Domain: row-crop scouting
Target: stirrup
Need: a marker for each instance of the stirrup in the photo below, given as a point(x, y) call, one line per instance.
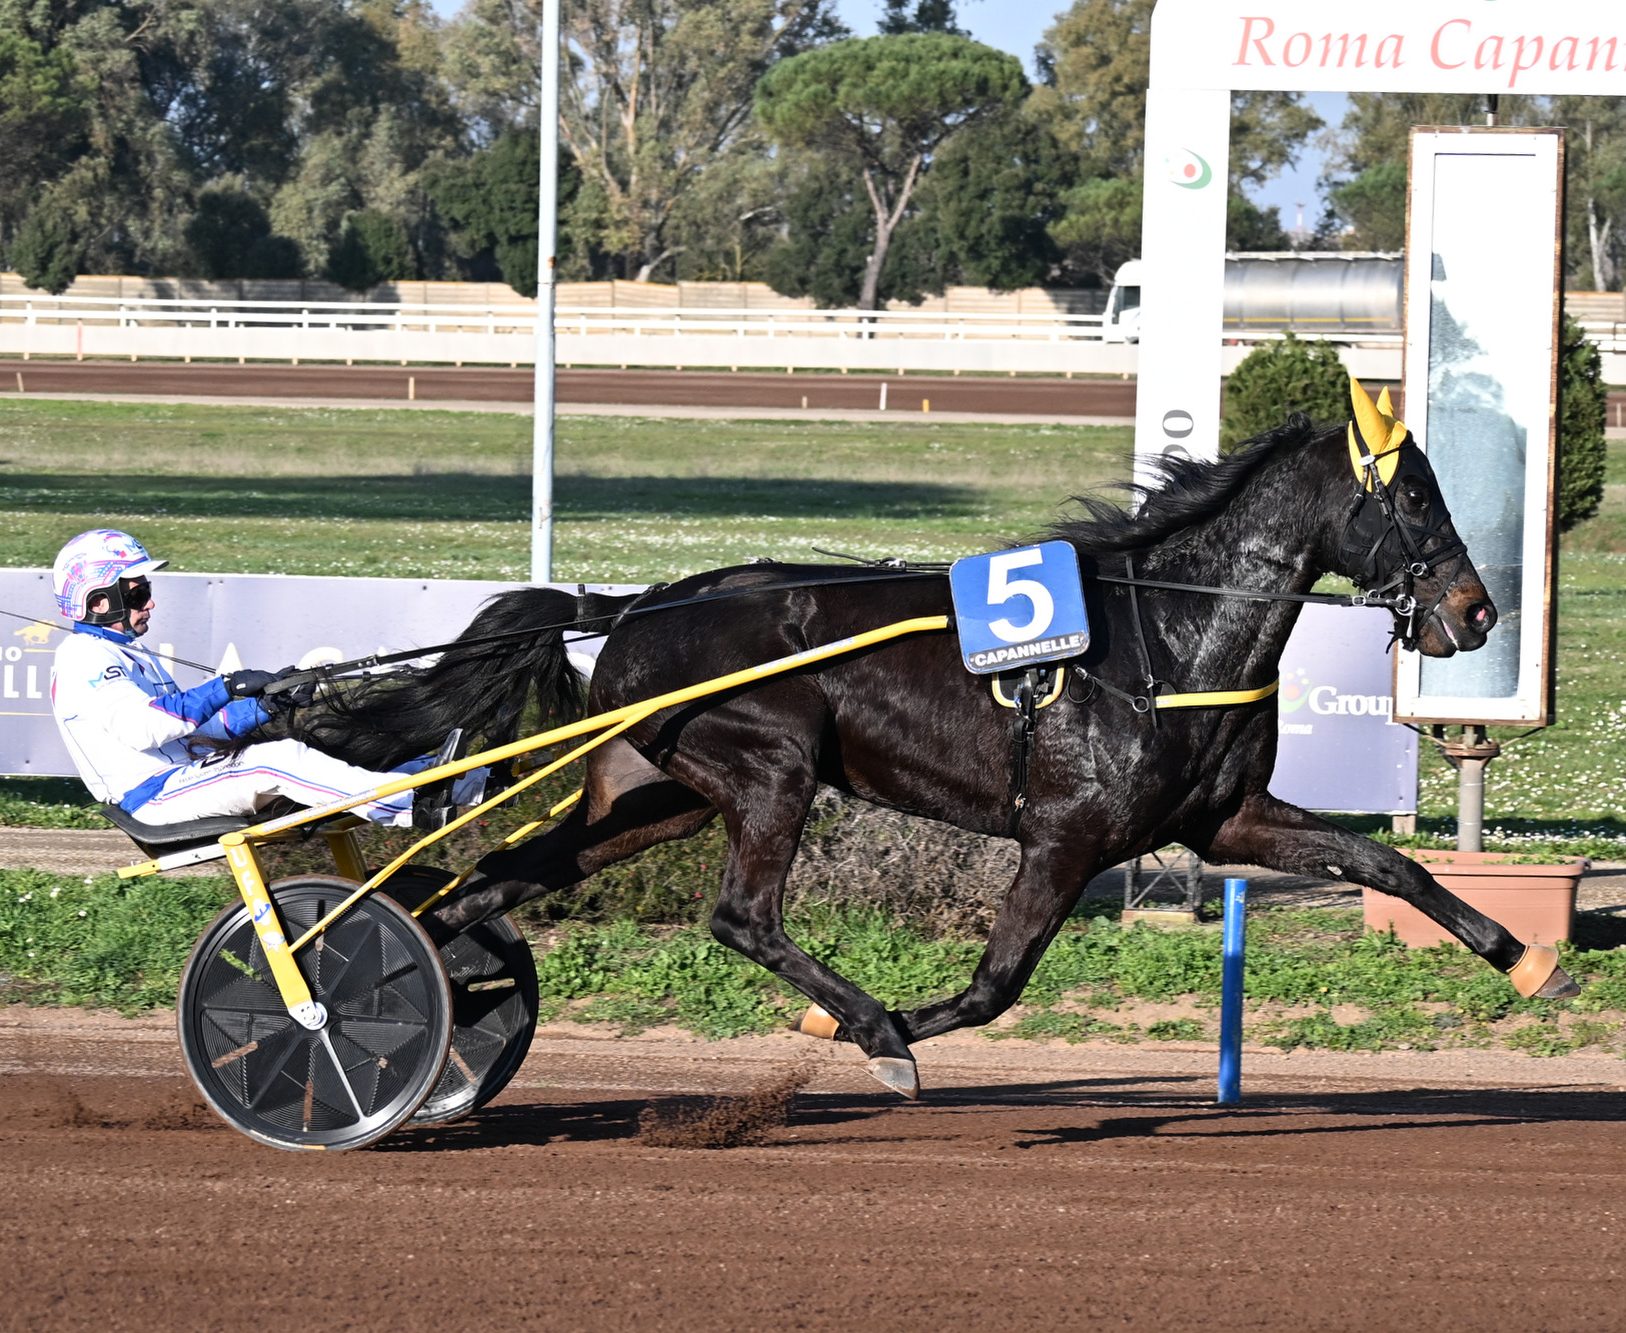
point(432, 806)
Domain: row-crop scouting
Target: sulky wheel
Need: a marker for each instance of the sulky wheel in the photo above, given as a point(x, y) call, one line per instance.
point(370, 1066)
point(494, 1002)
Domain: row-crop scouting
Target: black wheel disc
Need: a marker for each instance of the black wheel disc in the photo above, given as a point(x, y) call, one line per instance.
point(494, 1003)
point(380, 1053)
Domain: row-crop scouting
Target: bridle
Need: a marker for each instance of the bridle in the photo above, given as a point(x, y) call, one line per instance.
point(1377, 535)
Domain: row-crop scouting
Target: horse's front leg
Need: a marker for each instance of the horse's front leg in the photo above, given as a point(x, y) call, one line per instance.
point(1047, 884)
point(1271, 833)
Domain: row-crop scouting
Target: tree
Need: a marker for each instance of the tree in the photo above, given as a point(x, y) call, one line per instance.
point(47, 253)
point(885, 106)
point(1094, 67)
point(1100, 226)
point(230, 236)
point(655, 93)
point(491, 201)
point(922, 16)
point(123, 190)
point(372, 248)
point(979, 217)
point(1595, 193)
point(1277, 379)
point(1582, 414)
point(990, 199)
point(1365, 177)
point(1370, 210)
point(173, 97)
point(1250, 227)
point(724, 226)
point(829, 234)
point(44, 109)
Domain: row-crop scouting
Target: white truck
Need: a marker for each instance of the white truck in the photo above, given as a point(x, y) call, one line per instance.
point(1308, 291)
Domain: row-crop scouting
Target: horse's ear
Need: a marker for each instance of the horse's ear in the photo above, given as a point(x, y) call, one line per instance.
point(1373, 434)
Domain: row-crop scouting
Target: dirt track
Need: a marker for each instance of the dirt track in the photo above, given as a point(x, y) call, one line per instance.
point(1045, 399)
point(1048, 398)
point(1036, 1187)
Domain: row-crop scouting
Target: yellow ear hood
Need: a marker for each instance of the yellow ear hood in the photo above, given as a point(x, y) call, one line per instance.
point(1374, 432)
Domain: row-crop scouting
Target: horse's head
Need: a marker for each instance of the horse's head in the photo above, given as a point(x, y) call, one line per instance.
point(1399, 543)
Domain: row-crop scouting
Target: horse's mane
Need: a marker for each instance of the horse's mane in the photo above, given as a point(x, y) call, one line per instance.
point(1185, 491)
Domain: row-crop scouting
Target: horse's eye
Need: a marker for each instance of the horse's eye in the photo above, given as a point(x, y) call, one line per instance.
point(1415, 494)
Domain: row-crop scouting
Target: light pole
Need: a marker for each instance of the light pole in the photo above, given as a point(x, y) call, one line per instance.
point(547, 232)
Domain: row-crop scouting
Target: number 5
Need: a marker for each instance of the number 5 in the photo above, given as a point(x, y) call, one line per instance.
point(1001, 588)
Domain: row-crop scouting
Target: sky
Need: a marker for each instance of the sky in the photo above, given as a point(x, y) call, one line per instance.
point(1018, 25)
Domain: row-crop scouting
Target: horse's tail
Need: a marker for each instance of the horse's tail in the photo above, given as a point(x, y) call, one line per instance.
point(482, 687)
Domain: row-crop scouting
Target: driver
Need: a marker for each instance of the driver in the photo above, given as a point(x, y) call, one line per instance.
point(137, 738)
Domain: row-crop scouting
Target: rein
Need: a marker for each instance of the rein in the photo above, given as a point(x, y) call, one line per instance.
point(1401, 605)
point(609, 620)
point(885, 571)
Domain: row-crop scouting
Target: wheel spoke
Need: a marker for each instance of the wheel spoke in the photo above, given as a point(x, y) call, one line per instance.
point(344, 1078)
point(274, 1069)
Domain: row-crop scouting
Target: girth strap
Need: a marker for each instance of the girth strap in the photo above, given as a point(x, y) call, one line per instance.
point(1025, 691)
point(1025, 703)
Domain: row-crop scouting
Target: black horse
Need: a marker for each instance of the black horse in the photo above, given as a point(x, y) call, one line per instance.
point(905, 725)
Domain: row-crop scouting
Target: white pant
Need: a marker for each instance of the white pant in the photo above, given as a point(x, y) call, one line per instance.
point(249, 780)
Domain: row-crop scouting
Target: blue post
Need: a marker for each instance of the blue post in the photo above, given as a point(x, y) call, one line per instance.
point(1230, 1051)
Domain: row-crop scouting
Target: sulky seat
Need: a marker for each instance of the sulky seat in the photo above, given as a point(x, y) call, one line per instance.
point(164, 839)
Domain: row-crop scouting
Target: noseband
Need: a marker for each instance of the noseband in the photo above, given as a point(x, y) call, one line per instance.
point(1377, 536)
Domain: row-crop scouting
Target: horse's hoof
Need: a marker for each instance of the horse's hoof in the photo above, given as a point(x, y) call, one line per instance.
point(1537, 975)
point(1560, 986)
point(817, 1022)
point(897, 1074)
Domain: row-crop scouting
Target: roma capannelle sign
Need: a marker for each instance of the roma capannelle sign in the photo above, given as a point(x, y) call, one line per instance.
point(1202, 51)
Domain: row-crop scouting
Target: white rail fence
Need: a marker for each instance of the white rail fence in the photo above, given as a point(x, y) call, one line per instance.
point(734, 338)
point(730, 337)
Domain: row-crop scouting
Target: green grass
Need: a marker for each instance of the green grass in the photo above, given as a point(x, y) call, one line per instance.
point(47, 803)
point(447, 495)
point(1313, 978)
point(99, 941)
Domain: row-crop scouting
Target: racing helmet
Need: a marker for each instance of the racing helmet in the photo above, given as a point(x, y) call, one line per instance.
point(94, 563)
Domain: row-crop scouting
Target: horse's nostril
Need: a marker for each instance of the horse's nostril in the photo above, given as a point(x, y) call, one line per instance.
point(1482, 615)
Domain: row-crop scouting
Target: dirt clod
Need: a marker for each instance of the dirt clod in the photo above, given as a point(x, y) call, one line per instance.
point(725, 1122)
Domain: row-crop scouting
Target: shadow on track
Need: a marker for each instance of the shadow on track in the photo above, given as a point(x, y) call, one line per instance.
point(1127, 1112)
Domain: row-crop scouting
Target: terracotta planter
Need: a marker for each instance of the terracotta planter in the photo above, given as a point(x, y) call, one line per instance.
point(1535, 902)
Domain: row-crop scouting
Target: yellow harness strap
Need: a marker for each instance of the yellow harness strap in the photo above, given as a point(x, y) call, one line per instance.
point(1217, 698)
point(1197, 699)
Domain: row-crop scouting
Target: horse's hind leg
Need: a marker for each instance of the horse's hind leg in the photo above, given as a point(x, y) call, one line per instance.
point(1271, 833)
point(627, 806)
